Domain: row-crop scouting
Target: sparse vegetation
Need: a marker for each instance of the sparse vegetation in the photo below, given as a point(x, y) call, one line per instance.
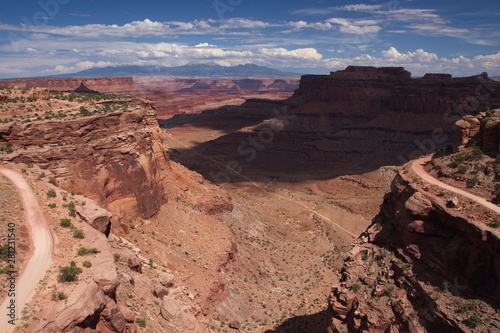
point(78, 233)
point(87, 264)
point(82, 251)
point(59, 295)
point(69, 273)
point(355, 287)
point(141, 322)
point(65, 223)
point(51, 194)
point(475, 321)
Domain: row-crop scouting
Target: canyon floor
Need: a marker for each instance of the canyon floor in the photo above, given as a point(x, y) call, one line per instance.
point(291, 236)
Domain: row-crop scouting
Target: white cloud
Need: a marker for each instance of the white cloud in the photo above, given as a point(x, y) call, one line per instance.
point(359, 8)
point(236, 23)
point(204, 45)
point(305, 53)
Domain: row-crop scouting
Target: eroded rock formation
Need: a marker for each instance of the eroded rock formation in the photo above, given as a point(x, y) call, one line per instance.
point(484, 128)
point(118, 159)
point(422, 266)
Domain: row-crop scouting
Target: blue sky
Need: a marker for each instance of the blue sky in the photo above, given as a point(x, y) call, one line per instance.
point(49, 37)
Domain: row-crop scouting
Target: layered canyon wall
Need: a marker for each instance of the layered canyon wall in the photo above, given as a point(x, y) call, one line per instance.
point(354, 120)
point(118, 159)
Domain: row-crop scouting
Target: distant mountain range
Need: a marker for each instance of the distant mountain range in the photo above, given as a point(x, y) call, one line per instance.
point(205, 70)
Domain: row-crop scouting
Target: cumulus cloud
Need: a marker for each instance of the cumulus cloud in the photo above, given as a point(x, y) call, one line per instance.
point(304, 53)
point(420, 62)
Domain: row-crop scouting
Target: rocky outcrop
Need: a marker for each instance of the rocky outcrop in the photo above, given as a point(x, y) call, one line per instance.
point(421, 267)
point(105, 84)
point(91, 302)
point(118, 159)
point(482, 129)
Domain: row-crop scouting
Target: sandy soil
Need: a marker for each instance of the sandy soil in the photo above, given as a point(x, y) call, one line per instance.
point(43, 245)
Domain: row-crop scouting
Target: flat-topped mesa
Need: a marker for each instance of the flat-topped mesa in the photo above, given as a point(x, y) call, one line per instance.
point(102, 84)
point(369, 72)
point(371, 90)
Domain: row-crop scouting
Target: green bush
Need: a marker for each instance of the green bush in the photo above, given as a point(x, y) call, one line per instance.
point(463, 169)
point(71, 208)
point(355, 287)
point(51, 194)
point(69, 273)
point(117, 256)
point(65, 223)
point(141, 322)
point(78, 233)
point(87, 264)
point(59, 295)
point(84, 251)
point(475, 321)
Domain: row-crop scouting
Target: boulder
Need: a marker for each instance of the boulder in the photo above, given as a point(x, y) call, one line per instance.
point(418, 205)
point(167, 279)
point(170, 308)
point(98, 217)
point(160, 291)
point(134, 263)
point(113, 316)
point(128, 314)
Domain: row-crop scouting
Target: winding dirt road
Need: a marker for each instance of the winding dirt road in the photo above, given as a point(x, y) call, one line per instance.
point(41, 256)
point(418, 168)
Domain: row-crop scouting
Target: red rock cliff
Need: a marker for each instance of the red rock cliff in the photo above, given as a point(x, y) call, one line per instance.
point(118, 159)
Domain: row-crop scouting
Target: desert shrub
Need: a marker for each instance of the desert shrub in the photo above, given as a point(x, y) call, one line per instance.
point(84, 112)
point(52, 205)
point(78, 233)
point(87, 264)
point(463, 169)
point(117, 256)
point(59, 295)
point(51, 194)
point(495, 223)
point(471, 182)
point(355, 287)
point(71, 208)
point(476, 154)
point(69, 273)
point(389, 290)
point(475, 321)
point(65, 223)
point(141, 322)
point(84, 251)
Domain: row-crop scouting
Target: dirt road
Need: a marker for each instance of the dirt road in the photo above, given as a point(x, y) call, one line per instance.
point(418, 167)
point(39, 262)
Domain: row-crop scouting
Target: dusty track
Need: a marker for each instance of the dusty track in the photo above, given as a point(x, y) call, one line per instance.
point(42, 250)
point(418, 168)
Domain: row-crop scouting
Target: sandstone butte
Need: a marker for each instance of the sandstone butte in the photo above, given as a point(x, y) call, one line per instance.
point(421, 266)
